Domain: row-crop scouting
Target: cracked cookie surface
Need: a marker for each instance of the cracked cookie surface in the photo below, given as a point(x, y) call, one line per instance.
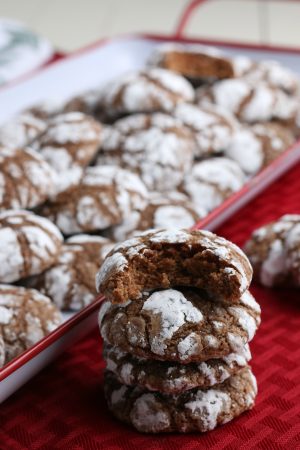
point(194, 410)
point(179, 325)
point(172, 378)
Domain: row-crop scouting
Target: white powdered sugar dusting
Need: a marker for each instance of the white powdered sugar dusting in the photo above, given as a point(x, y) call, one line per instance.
point(115, 262)
point(174, 310)
point(245, 320)
point(188, 346)
point(208, 405)
point(148, 415)
point(118, 395)
point(247, 150)
point(274, 264)
point(248, 300)
point(104, 308)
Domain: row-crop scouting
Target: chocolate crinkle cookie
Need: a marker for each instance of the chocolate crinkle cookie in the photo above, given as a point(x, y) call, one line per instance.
point(212, 181)
point(171, 209)
point(196, 62)
point(70, 140)
point(250, 102)
point(158, 147)
point(151, 90)
point(179, 325)
point(70, 282)
point(269, 71)
point(21, 130)
point(164, 258)
point(172, 377)
point(26, 179)
point(26, 316)
point(273, 250)
point(212, 126)
point(193, 410)
point(104, 196)
point(29, 245)
point(254, 147)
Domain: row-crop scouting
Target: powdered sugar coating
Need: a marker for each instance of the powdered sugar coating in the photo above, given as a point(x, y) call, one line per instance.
point(269, 71)
point(30, 244)
point(178, 325)
point(70, 281)
point(21, 130)
point(104, 197)
point(173, 310)
point(70, 140)
point(250, 102)
point(268, 251)
point(172, 377)
point(235, 266)
point(152, 90)
point(158, 147)
point(213, 127)
point(166, 210)
point(211, 181)
point(26, 316)
point(26, 180)
point(195, 410)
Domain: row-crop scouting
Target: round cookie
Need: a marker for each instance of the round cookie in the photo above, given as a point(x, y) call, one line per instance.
point(198, 410)
point(195, 62)
point(212, 181)
point(212, 127)
point(26, 180)
point(104, 197)
point(26, 316)
point(266, 250)
point(179, 325)
point(172, 378)
point(70, 282)
point(270, 71)
point(250, 102)
point(158, 147)
point(151, 90)
point(29, 245)
point(254, 147)
point(164, 258)
point(169, 210)
point(21, 130)
point(70, 140)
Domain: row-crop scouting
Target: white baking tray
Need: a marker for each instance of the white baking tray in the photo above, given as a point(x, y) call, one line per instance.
point(92, 67)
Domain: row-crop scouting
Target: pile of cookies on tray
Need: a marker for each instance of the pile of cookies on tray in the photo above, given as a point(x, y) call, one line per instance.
point(176, 324)
point(155, 148)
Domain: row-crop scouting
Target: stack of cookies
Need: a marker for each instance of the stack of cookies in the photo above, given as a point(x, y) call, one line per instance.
point(176, 324)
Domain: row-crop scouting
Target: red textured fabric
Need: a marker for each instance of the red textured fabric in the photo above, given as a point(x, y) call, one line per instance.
point(63, 407)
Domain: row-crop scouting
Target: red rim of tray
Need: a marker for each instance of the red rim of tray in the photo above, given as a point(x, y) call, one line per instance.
point(26, 356)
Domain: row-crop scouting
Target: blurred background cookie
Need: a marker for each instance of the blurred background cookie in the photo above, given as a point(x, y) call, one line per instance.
point(70, 282)
point(30, 244)
point(26, 179)
point(105, 196)
point(158, 147)
point(211, 181)
point(151, 90)
point(26, 316)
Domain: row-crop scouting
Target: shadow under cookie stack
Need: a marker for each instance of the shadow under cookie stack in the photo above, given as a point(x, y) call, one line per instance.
point(176, 324)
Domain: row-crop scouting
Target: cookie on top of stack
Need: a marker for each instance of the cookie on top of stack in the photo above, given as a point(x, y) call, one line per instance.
point(176, 324)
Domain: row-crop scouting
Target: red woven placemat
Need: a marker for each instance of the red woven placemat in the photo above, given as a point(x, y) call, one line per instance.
point(63, 407)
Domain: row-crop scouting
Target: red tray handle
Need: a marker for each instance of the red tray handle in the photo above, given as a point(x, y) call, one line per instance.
point(186, 16)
